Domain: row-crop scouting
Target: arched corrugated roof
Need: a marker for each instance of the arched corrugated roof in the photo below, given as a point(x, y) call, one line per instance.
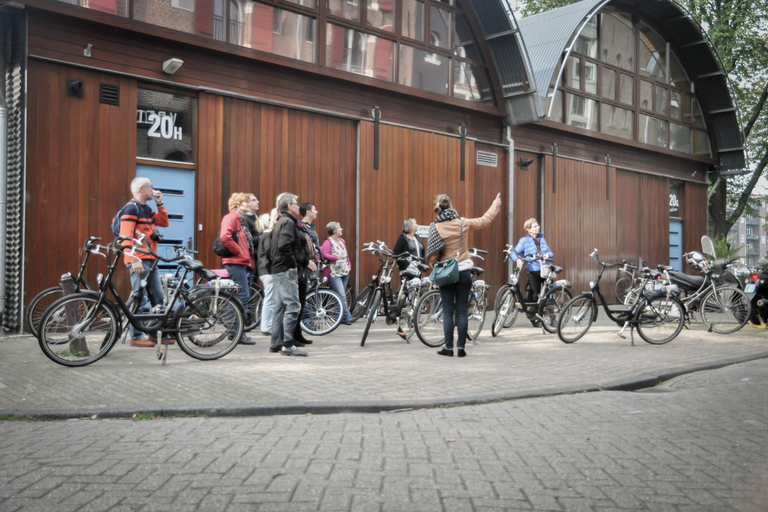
point(548, 36)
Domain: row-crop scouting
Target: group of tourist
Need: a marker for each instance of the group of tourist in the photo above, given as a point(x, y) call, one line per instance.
point(282, 249)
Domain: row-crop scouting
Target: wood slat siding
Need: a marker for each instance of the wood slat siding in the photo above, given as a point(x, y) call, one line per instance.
point(527, 203)
point(63, 38)
point(415, 166)
point(267, 150)
point(80, 162)
point(694, 219)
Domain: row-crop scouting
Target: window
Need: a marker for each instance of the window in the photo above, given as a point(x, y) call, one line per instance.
point(188, 5)
point(357, 52)
point(423, 70)
point(581, 112)
point(412, 19)
point(164, 126)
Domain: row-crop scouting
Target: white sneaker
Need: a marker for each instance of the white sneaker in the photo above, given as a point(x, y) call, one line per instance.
point(293, 351)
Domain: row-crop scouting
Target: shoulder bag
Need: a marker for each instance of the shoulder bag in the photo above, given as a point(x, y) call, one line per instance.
point(446, 272)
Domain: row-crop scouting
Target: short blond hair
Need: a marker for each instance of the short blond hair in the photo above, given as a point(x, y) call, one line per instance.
point(237, 199)
point(530, 222)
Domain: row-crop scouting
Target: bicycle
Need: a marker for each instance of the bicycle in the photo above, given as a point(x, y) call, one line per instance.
point(428, 321)
point(392, 306)
point(627, 283)
point(658, 317)
point(323, 309)
point(206, 320)
point(544, 311)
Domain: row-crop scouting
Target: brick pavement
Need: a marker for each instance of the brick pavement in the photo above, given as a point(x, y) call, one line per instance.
point(339, 375)
point(696, 443)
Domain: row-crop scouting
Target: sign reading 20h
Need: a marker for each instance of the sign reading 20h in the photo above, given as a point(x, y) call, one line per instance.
point(162, 124)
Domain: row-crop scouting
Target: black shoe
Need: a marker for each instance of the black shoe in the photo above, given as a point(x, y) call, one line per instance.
point(245, 340)
point(298, 343)
point(275, 350)
point(293, 351)
point(266, 333)
point(305, 341)
point(445, 352)
point(462, 353)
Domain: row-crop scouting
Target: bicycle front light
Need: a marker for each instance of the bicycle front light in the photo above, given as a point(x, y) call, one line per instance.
point(100, 278)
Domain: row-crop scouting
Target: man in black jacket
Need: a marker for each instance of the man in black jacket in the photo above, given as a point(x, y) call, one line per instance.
point(287, 257)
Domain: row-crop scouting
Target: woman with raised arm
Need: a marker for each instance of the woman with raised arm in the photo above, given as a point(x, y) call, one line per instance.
point(449, 238)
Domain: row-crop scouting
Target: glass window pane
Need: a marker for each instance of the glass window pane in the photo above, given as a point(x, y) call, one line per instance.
point(573, 72)
point(412, 19)
point(120, 7)
point(381, 14)
point(360, 53)
point(698, 119)
point(617, 121)
point(590, 77)
point(273, 30)
point(581, 112)
point(677, 74)
point(200, 17)
point(305, 3)
point(439, 27)
point(617, 40)
point(701, 144)
point(608, 84)
point(662, 100)
point(446, 2)
point(675, 107)
point(627, 89)
point(471, 82)
point(164, 126)
point(464, 44)
point(344, 9)
point(653, 54)
point(652, 131)
point(646, 95)
point(557, 108)
point(679, 137)
point(586, 44)
point(423, 70)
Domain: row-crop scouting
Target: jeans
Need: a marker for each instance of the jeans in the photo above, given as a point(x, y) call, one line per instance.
point(285, 295)
point(267, 306)
point(456, 297)
point(339, 285)
point(239, 274)
point(153, 281)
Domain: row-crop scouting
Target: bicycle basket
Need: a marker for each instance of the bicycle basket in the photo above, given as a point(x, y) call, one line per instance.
point(547, 272)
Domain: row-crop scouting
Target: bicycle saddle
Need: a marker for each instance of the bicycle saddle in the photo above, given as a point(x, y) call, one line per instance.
point(686, 282)
point(665, 267)
point(423, 267)
point(197, 266)
point(556, 269)
point(476, 271)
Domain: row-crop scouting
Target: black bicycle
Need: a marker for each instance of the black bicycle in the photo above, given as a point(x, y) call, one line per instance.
point(323, 309)
point(207, 320)
point(657, 315)
point(542, 312)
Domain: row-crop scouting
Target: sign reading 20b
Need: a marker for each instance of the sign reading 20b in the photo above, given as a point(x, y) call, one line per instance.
point(162, 124)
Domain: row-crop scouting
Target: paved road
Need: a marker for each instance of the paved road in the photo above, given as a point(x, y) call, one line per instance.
point(695, 443)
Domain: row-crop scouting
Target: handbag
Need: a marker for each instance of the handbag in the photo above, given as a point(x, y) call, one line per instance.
point(219, 248)
point(446, 272)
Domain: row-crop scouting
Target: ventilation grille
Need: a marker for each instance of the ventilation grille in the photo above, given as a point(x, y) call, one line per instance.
point(109, 94)
point(487, 159)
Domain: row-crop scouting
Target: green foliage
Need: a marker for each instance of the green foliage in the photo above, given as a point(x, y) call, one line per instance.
point(531, 7)
point(144, 416)
point(13, 417)
point(722, 249)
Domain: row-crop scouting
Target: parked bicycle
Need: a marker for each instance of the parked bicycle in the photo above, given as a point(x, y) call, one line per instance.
point(396, 308)
point(628, 281)
point(206, 320)
point(323, 310)
point(657, 316)
point(428, 321)
point(542, 312)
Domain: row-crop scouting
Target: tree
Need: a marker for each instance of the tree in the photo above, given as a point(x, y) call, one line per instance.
point(739, 31)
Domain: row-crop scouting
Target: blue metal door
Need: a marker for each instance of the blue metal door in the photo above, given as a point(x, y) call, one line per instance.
point(178, 188)
point(676, 244)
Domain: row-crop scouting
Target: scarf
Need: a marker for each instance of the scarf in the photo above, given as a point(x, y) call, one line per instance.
point(248, 234)
point(435, 243)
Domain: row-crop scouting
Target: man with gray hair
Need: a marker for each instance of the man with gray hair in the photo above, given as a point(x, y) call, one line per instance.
point(287, 256)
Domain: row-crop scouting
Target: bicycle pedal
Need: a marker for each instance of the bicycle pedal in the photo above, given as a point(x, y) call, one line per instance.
point(621, 336)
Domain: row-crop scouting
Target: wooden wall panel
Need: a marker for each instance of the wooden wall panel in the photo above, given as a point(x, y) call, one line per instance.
point(80, 162)
point(694, 218)
point(654, 220)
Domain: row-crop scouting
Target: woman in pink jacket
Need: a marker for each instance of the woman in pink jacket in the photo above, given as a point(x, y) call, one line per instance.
point(237, 238)
point(334, 249)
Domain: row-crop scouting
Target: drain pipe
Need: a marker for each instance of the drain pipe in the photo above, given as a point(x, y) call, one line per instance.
point(510, 195)
point(3, 198)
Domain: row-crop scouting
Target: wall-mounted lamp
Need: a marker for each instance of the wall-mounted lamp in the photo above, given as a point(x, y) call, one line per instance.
point(172, 65)
point(87, 50)
point(525, 162)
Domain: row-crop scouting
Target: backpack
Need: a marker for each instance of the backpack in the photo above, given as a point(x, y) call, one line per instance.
point(219, 248)
point(116, 219)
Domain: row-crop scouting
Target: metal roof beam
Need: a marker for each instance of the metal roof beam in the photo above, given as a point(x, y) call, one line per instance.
point(709, 75)
point(730, 150)
point(693, 43)
point(722, 110)
point(502, 34)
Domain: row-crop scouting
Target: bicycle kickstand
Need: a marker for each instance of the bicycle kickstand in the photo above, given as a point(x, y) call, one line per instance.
point(162, 348)
point(621, 332)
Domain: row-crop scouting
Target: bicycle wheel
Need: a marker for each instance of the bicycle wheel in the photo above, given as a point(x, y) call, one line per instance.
point(76, 330)
point(660, 319)
point(725, 309)
point(373, 312)
point(623, 286)
point(550, 308)
point(322, 312)
point(361, 303)
point(576, 318)
point(505, 308)
point(210, 324)
point(478, 306)
point(253, 309)
point(39, 304)
point(428, 321)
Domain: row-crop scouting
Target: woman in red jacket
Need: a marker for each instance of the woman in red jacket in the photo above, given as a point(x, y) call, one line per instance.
point(237, 238)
